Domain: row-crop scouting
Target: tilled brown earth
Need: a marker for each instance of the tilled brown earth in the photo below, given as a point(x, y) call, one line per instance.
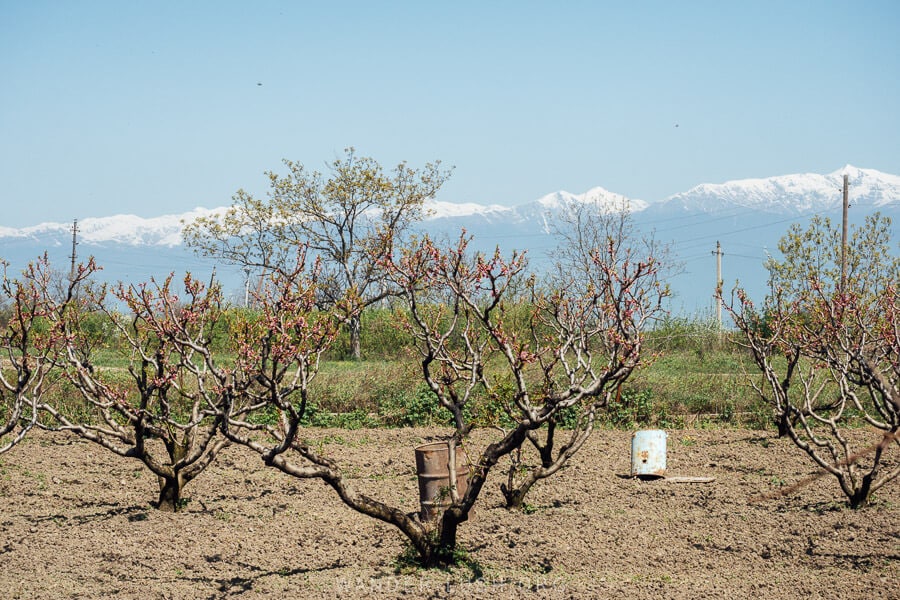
point(76, 523)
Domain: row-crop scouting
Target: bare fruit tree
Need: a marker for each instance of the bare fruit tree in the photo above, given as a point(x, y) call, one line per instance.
point(574, 350)
point(827, 355)
point(558, 360)
point(343, 219)
point(266, 393)
point(162, 409)
point(29, 347)
point(549, 375)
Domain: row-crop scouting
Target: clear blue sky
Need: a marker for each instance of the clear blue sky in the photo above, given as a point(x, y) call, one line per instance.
point(154, 108)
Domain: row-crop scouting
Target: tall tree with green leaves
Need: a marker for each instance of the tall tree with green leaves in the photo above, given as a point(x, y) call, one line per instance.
point(344, 219)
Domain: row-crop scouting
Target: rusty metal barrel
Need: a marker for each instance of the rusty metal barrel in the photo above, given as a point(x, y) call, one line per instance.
point(648, 453)
point(433, 469)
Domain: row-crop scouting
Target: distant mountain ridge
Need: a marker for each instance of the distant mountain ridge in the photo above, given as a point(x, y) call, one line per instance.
point(796, 194)
point(746, 216)
point(132, 230)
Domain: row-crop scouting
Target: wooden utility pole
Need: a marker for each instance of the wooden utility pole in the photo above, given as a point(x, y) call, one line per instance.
point(718, 253)
point(74, 243)
point(844, 231)
point(246, 287)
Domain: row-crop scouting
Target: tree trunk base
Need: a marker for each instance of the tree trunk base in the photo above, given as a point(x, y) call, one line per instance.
point(170, 499)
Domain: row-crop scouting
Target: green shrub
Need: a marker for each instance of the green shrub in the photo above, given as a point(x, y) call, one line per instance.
point(634, 408)
point(415, 407)
point(355, 419)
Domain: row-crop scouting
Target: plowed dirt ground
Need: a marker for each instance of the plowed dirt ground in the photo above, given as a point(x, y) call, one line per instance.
point(75, 522)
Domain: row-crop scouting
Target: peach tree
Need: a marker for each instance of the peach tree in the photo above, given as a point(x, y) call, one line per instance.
point(162, 408)
point(29, 345)
point(576, 350)
point(826, 342)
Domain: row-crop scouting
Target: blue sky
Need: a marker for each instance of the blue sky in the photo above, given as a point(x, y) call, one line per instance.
point(154, 108)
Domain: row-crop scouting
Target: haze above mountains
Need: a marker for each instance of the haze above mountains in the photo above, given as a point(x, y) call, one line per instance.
point(746, 216)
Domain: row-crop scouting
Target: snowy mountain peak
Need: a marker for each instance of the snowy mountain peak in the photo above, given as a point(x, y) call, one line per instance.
point(847, 169)
point(556, 200)
point(612, 201)
point(600, 197)
point(440, 209)
point(855, 173)
point(800, 193)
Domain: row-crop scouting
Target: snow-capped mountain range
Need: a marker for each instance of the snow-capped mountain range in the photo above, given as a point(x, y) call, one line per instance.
point(800, 194)
point(794, 194)
point(746, 216)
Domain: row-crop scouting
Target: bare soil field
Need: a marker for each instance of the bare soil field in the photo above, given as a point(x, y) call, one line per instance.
point(75, 522)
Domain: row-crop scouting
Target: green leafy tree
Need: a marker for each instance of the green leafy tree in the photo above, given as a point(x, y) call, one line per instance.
point(811, 259)
point(344, 219)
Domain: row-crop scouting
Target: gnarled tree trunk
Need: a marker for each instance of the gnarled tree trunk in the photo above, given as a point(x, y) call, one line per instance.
point(170, 489)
